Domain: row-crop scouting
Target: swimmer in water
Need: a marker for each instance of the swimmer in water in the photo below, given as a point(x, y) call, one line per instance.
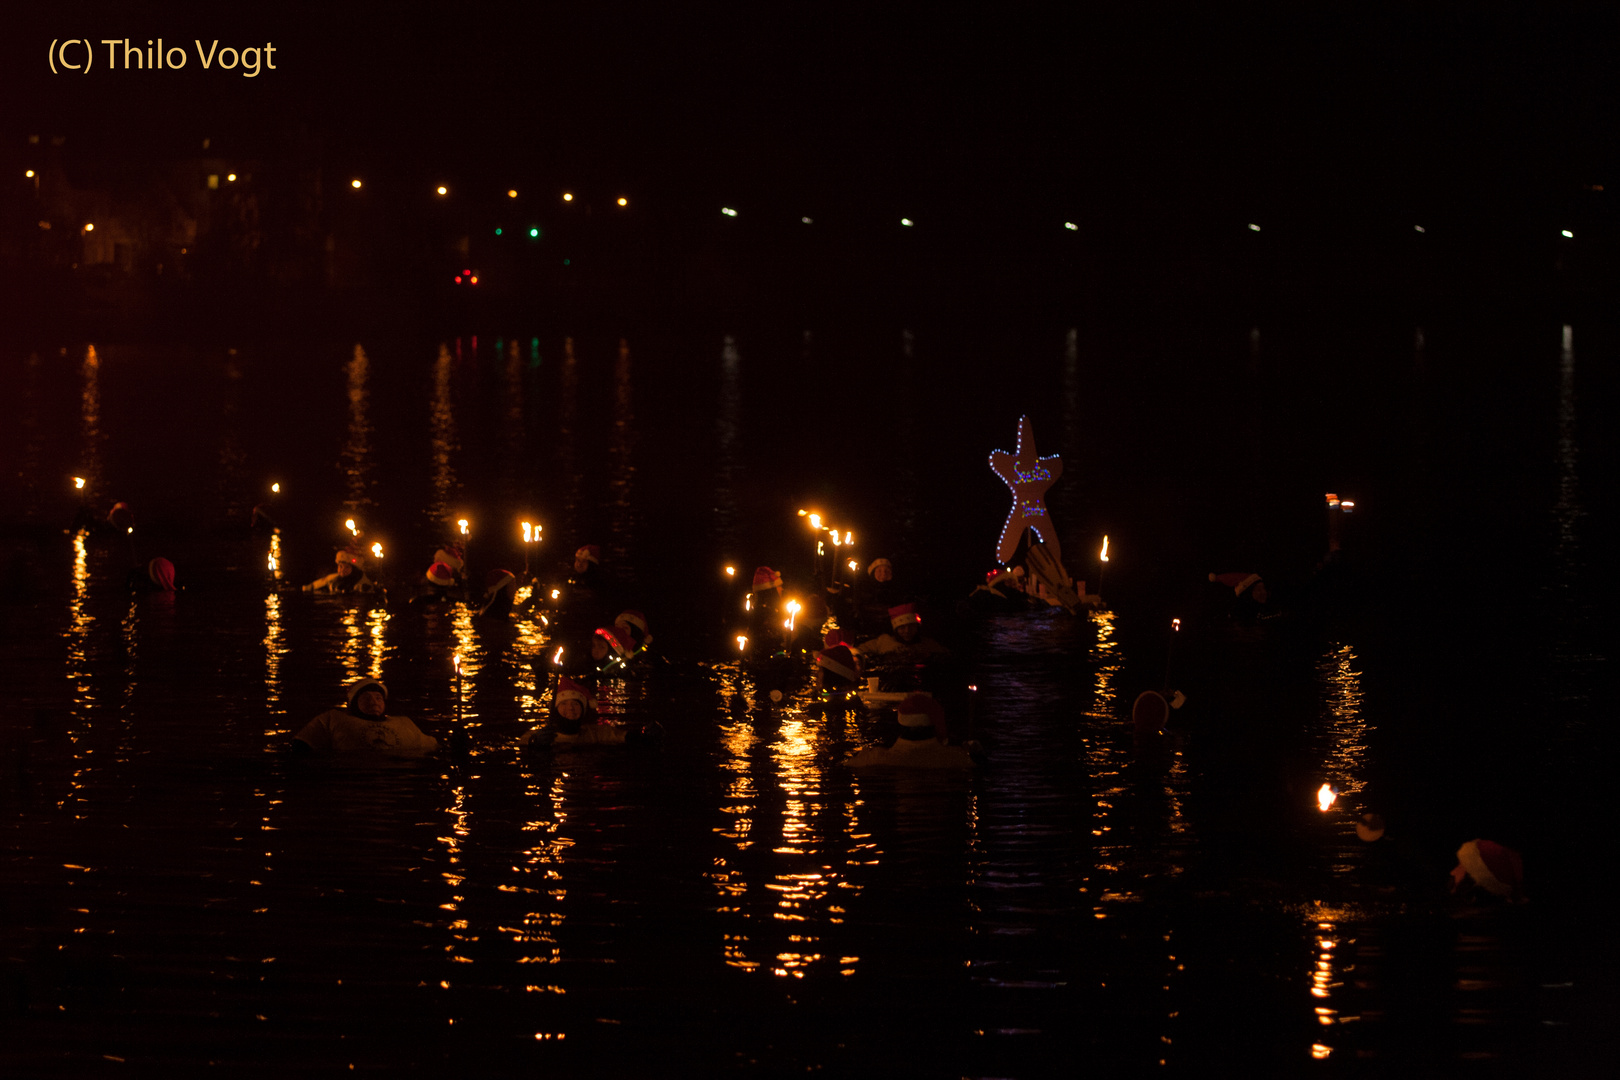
point(921, 744)
point(364, 726)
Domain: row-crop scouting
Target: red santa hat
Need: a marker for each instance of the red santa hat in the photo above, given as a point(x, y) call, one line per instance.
point(161, 571)
point(451, 556)
point(633, 623)
point(496, 580)
point(1498, 869)
point(833, 636)
point(569, 690)
point(591, 553)
point(901, 614)
point(839, 660)
point(121, 515)
point(920, 711)
point(871, 567)
point(766, 578)
point(616, 639)
point(440, 574)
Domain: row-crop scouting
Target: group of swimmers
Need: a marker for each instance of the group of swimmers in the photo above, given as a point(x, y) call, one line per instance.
point(597, 638)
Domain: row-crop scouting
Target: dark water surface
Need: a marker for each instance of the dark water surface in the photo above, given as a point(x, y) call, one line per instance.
point(176, 892)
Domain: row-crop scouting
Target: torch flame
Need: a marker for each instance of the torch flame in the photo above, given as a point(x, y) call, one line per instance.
point(376, 551)
point(1105, 548)
point(731, 571)
point(462, 523)
point(815, 522)
point(1325, 796)
point(528, 532)
point(742, 643)
point(853, 565)
point(349, 524)
point(275, 489)
point(556, 593)
point(1175, 625)
point(456, 659)
point(556, 657)
point(78, 482)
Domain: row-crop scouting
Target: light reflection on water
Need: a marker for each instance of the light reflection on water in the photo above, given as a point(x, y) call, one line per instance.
point(1071, 879)
point(357, 464)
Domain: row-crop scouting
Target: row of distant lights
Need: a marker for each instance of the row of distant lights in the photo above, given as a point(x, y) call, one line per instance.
point(568, 196)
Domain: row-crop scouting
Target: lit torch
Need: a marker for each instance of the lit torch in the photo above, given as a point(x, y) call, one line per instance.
point(376, 551)
point(1325, 796)
point(456, 660)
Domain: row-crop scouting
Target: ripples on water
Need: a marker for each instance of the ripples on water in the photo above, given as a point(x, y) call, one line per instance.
point(177, 891)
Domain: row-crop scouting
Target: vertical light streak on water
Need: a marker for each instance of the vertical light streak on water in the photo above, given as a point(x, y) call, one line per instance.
point(129, 627)
point(90, 426)
point(1107, 659)
point(567, 454)
point(460, 829)
point(1346, 730)
point(377, 641)
point(442, 445)
point(528, 640)
point(739, 802)
point(1105, 764)
point(728, 436)
point(621, 467)
point(275, 648)
point(81, 624)
point(1567, 511)
point(543, 865)
point(1324, 980)
point(273, 560)
point(351, 649)
point(804, 895)
point(357, 447)
point(472, 662)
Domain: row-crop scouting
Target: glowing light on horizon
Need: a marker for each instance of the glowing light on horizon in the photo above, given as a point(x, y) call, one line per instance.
point(355, 184)
point(907, 222)
point(1071, 226)
point(1253, 227)
point(511, 193)
point(623, 201)
point(1566, 234)
point(568, 196)
point(442, 190)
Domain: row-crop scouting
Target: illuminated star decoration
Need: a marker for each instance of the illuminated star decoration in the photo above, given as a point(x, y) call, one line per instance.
point(1028, 475)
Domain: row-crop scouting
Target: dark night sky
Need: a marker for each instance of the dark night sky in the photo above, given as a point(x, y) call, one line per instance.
point(1074, 107)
